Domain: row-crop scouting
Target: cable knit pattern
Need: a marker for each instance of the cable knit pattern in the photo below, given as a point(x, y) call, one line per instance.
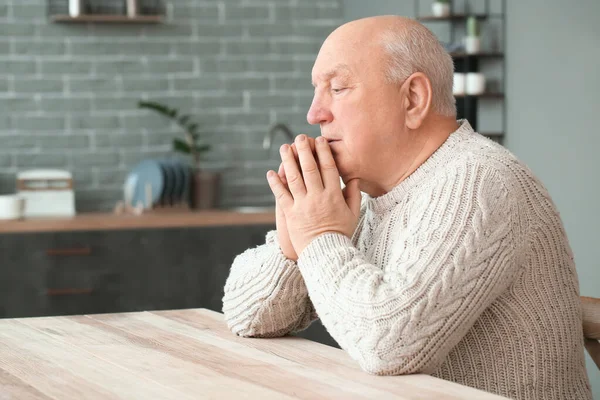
point(463, 271)
point(265, 295)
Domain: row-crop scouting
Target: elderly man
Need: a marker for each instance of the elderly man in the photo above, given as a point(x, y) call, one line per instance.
point(453, 260)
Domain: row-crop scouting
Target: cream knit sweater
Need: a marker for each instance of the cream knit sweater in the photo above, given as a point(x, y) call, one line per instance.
point(463, 271)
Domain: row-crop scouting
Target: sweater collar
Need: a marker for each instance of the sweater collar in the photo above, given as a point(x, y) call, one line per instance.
point(445, 153)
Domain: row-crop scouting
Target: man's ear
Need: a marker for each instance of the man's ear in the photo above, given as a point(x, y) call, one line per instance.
point(417, 101)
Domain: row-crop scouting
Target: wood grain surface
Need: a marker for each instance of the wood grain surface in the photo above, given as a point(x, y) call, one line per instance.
point(107, 221)
point(185, 354)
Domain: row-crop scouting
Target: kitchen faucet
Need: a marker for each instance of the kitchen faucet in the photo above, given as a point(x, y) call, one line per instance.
point(268, 140)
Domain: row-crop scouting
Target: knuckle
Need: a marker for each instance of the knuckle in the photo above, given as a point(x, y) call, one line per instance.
point(292, 178)
point(280, 196)
point(310, 168)
point(328, 165)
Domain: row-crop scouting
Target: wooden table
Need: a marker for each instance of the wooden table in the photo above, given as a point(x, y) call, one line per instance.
point(185, 354)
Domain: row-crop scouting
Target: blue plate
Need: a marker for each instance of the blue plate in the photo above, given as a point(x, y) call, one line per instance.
point(148, 177)
point(178, 181)
point(169, 174)
point(187, 183)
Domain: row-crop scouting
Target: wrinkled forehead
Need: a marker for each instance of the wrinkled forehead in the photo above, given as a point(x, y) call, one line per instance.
point(324, 73)
point(347, 59)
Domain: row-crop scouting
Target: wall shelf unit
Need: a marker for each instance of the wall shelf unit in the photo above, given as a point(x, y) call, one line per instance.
point(483, 95)
point(468, 105)
point(483, 54)
point(108, 11)
point(140, 19)
point(451, 17)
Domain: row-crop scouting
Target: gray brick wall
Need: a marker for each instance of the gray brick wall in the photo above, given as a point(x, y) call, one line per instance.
point(69, 92)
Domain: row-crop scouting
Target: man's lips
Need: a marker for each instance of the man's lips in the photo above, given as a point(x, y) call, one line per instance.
point(333, 145)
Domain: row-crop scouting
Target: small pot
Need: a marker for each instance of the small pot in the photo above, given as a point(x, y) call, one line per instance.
point(472, 44)
point(458, 84)
point(475, 83)
point(205, 190)
point(12, 206)
point(440, 9)
point(75, 8)
point(132, 8)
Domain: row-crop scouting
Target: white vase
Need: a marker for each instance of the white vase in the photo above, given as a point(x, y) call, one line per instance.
point(472, 44)
point(475, 83)
point(458, 84)
point(440, 9)
point(75, 8)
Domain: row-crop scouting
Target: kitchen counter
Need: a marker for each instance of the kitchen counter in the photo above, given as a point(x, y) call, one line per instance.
point(185, 354)
point(109, 221)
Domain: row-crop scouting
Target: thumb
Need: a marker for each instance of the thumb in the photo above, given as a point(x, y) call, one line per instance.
point(352, 196)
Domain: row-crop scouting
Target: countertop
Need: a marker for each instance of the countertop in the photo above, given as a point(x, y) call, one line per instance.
point(185, 354)
point(110, 221)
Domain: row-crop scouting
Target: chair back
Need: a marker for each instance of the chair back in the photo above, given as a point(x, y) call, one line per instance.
point(591, 327)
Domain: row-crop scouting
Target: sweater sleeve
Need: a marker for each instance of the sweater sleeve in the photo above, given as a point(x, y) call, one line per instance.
point(450, 252)
point(265, 294)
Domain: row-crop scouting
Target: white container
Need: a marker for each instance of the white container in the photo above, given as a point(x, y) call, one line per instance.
point(475, 83)
point(48, 193)
point(472, 44)
point(75, 8)
point(440, 9)
point(132, 8)
point(12, 206)
point(458, 84)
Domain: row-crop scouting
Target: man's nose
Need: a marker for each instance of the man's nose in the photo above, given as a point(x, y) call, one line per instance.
point(318, 113)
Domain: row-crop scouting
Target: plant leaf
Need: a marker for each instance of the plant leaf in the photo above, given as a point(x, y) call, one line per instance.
point(180, 145)
point(183, 119)
point(157, 107)
point(192, 127)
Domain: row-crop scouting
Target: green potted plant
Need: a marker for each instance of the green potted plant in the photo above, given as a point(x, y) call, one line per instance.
point(472, 40)
point(441, 8)
point(204, 184)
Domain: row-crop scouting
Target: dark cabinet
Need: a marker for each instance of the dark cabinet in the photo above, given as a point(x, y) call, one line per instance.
point(22, 276)
point(81, 273)
point(62, 273)
point(89, 272)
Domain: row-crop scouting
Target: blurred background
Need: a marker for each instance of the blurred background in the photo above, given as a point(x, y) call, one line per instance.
point(230, 80)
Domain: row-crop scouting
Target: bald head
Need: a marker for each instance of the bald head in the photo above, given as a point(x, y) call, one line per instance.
point(371, 29)
point(399, 47)
point(382, 93)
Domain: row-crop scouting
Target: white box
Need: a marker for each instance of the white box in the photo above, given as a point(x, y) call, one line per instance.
point(47, 193)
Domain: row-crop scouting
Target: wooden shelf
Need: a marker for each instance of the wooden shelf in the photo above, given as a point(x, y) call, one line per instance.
point(122, 19)
point(453, 17)
point(107, 221)
point(487, 95)
point(485, 54)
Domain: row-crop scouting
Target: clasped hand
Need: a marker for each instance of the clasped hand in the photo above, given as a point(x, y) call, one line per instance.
point(309, 196)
